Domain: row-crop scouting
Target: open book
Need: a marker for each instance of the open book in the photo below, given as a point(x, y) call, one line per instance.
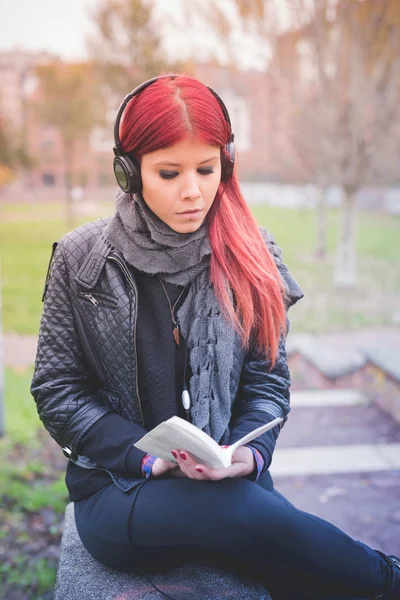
point(180, 434)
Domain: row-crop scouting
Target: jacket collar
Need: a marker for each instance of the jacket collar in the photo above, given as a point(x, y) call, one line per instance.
point(93, 264)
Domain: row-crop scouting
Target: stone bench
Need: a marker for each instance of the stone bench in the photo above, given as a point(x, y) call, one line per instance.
point(81, 577)
point(383, 377)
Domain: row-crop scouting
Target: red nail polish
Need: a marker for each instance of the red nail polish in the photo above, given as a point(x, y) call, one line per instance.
point(183, 455)
point(199, 469)
point(174, 454)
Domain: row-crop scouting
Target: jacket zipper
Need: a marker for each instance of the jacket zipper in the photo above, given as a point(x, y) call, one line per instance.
point(91, 298)
point(98, 300)
point(132, 284)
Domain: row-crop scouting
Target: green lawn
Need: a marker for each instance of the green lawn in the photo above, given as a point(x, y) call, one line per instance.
point(33, 496)
point(26, 236)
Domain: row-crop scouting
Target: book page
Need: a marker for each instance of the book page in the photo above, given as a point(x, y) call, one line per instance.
point(178, 433)
point(256, 433)
point(174, 434)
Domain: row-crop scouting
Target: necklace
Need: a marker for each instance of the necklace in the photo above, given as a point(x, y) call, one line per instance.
point(176, 332)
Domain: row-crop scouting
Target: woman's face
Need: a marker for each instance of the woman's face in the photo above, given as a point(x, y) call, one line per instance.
point(180, 183)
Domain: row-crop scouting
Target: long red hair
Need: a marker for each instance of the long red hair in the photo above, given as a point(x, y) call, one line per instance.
point(244, 274)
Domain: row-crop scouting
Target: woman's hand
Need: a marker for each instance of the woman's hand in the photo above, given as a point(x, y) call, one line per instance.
point(243, 464)
point(160, 467)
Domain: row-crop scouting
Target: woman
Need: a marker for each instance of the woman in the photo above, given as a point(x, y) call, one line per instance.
point(181, 291)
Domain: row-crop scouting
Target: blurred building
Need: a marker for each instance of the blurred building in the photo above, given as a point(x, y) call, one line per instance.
point(244, 93)
point(17, 83)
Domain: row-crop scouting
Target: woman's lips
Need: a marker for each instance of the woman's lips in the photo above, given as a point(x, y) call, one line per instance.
point(190, 213)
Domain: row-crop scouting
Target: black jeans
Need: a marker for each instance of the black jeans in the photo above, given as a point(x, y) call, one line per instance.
point(297, 555)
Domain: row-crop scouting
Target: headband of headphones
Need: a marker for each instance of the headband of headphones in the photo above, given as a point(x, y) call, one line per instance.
point(126, 167)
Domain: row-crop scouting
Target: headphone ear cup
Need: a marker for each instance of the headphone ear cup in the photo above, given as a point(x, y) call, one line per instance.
point(228, 160)
point(136, 180)
point(127, 174)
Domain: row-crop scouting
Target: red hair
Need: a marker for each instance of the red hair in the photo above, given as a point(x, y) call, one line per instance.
point(244, 274)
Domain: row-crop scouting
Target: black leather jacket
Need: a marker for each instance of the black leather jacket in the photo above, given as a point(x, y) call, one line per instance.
point(86, 360)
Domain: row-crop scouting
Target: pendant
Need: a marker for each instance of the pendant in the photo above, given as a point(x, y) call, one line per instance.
point(176, 334)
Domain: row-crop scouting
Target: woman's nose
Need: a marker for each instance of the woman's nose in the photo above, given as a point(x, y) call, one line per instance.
point(191, 188)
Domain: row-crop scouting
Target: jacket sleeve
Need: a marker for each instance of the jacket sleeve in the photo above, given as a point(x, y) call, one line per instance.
point(264, 393)
point(70, 404)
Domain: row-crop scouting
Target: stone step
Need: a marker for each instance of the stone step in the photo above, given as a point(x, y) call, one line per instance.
point(386, 358)
point(327, 360)
point(322, 460)
point(338, 426)
point(337, 355)
point(325, 398)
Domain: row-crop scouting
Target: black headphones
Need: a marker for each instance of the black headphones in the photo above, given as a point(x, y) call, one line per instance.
point(127, 168)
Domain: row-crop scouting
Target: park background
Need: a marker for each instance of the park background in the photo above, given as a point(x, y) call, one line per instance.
point(312, 87)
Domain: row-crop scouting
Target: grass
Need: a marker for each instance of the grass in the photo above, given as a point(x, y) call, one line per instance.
point(26, 237)
point(376, 296)
point(33, 496)
point(22, 420)
point(24, 576)
point(295, 229)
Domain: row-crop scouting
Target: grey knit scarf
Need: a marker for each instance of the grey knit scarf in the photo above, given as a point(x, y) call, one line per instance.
point(214, 347)
point(153, 247)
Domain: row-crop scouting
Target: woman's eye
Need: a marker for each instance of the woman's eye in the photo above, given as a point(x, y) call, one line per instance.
point(172, 174)
point(168, 174)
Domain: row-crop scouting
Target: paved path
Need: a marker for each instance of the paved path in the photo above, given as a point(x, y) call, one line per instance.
point(354, 340)
point(19, 350)
point(327, 398)
point(341, 461)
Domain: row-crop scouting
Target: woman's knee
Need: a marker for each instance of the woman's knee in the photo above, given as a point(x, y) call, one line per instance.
point(247, 514)
point(105, 538)
point(111, 554)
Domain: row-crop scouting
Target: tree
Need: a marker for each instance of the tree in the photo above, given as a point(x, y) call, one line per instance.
point(334, 68)
point(349, 104)
point(6, 156)
point(69, 99)
point(127, 45)
point(12, 155)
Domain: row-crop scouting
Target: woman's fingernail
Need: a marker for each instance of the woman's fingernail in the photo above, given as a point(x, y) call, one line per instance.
point(183, 455)
point(199, 469)
point(226, 446)
point(174, 454)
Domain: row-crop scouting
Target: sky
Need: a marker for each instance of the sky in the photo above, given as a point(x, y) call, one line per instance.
point(53, 25)
point(61, 26)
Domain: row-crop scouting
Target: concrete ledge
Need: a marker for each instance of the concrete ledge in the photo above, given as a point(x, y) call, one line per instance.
point(323, 460)
point(331, 363)
point(387, 359)
point(325, 398)
point(81, 577)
